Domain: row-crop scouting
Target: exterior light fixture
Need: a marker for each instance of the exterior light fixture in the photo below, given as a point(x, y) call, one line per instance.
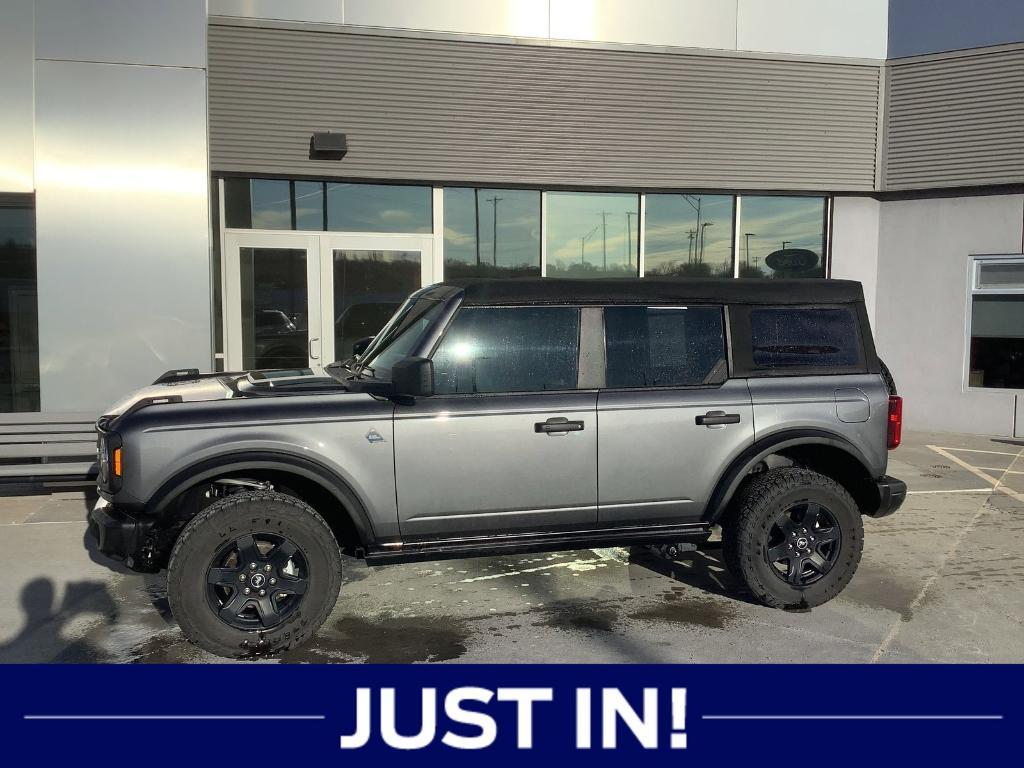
point(327, 146)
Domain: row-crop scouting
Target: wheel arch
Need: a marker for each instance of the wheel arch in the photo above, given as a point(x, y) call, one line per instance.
point(305, 472)
point(825, 452)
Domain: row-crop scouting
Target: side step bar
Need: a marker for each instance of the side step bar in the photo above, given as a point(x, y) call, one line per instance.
point(509, 544)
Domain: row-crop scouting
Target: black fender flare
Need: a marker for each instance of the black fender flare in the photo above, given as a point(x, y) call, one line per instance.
point(740, 467)
point(279, 461)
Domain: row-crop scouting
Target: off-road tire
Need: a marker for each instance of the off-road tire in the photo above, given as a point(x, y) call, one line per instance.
point(258, 512)
point(746, 527)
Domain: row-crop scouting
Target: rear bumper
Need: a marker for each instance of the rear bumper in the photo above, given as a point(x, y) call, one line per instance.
point(891, 494)
point(120, 535)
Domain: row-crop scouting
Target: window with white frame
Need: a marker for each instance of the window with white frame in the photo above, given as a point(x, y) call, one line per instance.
point(996, 328)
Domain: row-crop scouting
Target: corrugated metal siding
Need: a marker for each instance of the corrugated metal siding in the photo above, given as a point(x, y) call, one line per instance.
point(956, 121)
point(443, 110)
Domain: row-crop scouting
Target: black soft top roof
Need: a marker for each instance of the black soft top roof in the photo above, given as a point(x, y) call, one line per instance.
point(548, 290)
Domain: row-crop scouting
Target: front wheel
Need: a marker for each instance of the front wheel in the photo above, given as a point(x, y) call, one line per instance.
point(794, 537)
point(253, 573)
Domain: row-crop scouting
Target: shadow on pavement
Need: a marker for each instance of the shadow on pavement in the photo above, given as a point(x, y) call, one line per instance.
point(48, 634)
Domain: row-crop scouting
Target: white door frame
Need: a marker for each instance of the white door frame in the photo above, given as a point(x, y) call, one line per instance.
point(333, 241)
point(319, 247)
point(234, 241)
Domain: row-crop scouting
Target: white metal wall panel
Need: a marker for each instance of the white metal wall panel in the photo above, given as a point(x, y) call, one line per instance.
point(443, 110)
point(956, 121)
point(688, 23)
point(854, 28)
point(513, 18)
point(326, 11)
point(123, 255)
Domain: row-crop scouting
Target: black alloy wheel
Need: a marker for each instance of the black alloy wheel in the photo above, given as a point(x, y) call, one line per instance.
point(256, 581)
point(803, 544)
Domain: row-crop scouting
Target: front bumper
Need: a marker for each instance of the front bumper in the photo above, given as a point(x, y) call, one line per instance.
point(122, 536)
point(891, 494)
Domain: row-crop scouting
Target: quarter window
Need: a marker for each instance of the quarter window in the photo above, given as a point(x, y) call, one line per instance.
point(508, 349)
point(810, 337)
point(663, 346)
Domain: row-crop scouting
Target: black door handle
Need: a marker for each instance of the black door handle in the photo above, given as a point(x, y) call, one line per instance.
point(558, 424)
point(717, 419)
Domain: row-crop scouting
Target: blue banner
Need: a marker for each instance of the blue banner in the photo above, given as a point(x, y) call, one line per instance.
point(463, 714)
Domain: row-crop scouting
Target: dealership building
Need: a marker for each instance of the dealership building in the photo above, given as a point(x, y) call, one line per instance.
point(230, 184)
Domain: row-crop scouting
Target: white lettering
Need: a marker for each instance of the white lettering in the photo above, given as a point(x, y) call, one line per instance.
point(524, 699)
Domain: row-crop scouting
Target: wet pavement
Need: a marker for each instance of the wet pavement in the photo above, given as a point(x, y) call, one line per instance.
point(940, 581)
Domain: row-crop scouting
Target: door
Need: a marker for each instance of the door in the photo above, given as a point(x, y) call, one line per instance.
point(508, 444)
point(298, 300)
point(272, 301)
point(670, 419)
point(364, 279)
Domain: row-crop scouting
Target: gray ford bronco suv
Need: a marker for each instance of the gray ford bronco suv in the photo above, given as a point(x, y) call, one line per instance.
point(505, 416)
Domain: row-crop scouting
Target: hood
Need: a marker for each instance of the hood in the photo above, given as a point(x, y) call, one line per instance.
point(188, 391)
point(227, 386)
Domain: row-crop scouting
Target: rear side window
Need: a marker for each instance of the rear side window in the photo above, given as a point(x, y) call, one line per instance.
point(805, 337)
point(662, 346)
point(508, 349)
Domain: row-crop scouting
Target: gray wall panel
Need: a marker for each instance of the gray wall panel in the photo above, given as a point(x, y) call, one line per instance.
point(930, 26)
point(450, 110)
point(956, 121)
point(122, 229)
point(16, 37)
point(122, 31)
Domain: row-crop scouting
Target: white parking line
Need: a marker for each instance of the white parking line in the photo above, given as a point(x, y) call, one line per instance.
point(958, 490)
point(978, 450)
point(996, 482)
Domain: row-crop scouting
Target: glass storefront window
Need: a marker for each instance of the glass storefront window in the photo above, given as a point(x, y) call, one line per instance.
point(271, 204)
point(781, 236)
point(309, 205)
point(997, 342)
point(997, 324)
point(688, 235)
point(491, 232)
point(379, 208)
point(369, 286)
point(19, 318)
point(592, 234)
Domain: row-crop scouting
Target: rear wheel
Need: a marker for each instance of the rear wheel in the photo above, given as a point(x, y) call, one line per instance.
point(794, 537)
point(253, 573)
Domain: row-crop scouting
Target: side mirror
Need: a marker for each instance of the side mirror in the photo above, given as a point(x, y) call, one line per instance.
point(413, 377)
point(360, 346)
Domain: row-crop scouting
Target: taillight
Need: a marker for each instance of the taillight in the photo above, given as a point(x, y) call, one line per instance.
point(895, 432)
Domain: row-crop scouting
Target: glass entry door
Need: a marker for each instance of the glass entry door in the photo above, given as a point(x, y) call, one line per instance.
point(271, 301)
point(302, 300)
point(364, 279)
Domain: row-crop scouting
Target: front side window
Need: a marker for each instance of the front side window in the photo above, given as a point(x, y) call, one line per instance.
point(997, 325)
point(508, 349)
point(663, 346)
point(400, 336)
point(805, 337)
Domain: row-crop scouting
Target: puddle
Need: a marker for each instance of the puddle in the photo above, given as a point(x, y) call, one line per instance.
point(874, 587)
point(687, 610)
point(385, 640)
point(582, 617)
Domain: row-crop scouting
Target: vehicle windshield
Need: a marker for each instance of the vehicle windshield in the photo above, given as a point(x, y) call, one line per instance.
point(395, 340)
